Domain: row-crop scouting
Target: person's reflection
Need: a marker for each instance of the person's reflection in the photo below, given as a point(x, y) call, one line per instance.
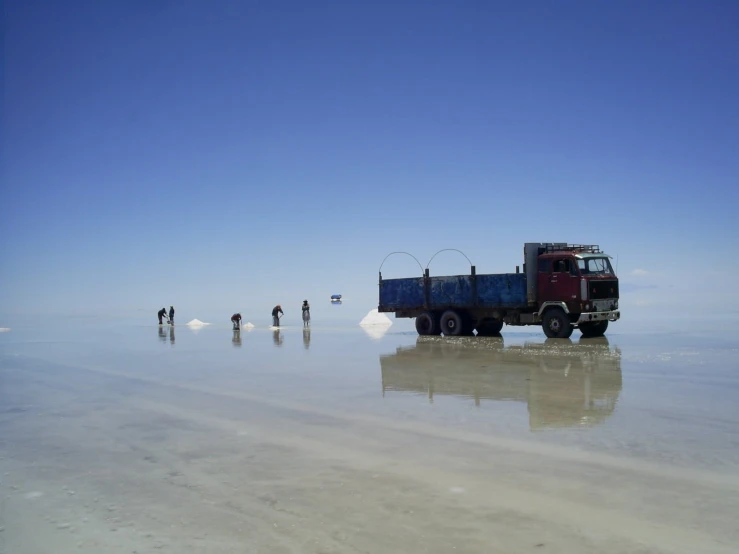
point(171, 334)
point(162, 334)
point(277, 337)
point(236, 340)
point(306, 338)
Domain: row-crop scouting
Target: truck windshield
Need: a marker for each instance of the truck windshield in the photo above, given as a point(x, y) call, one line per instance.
point(598, 266)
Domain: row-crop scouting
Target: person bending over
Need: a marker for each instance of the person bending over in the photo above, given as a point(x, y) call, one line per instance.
point(275, 318)
point(236, 320)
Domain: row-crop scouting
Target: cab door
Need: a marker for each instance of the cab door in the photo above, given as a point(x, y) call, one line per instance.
point(559, 281)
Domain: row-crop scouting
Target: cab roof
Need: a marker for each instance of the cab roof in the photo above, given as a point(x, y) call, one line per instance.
point(579, 255)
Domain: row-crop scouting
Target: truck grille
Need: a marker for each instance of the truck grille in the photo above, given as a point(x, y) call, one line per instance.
point(603, 289)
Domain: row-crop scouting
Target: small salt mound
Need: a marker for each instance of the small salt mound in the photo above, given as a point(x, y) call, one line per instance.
point(248, 325)
point(4, 329)
point(375, 318)
point(196, 323)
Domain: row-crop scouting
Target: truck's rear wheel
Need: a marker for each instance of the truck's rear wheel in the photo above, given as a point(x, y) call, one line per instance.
point(427, 324)
point(556, 324)
point(489, 328)
point(452, 324)
point(595, 329)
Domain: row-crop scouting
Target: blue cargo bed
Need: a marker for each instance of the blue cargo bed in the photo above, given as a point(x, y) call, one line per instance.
point(504, 290)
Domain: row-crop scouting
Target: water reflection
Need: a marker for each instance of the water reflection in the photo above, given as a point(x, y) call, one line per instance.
point(236, 340)
point(277, 337)
point(375, 331)
point(306, 338)
point(171, 334)
point(563, 383)
point(162, 334)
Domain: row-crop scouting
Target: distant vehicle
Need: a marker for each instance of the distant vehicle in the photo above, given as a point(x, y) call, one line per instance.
point(335, 298)
point(562, 287)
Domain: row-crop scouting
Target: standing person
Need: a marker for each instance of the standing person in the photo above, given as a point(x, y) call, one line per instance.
point(171, 315)
point(275, 318)
point(306, 313)
point(161, 314)
point(236, 320)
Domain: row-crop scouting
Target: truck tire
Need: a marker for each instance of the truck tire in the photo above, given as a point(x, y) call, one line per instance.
point(596, 329)
point(556, 324)
point(427, 324)
point(452, 324)
point(489, 328)
point(468, 329)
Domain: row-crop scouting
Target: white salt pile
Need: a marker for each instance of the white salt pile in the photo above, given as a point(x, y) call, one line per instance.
point(196, 323)
point(375, 318)
point(248, 325)
point(4, 329)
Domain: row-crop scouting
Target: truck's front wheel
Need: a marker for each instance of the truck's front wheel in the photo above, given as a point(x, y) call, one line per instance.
point(427, 324)
point(556, 324)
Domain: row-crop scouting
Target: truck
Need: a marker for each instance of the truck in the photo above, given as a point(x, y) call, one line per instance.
point(562, 287)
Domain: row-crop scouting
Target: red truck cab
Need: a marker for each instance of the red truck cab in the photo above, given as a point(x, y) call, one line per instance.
point(578, 280)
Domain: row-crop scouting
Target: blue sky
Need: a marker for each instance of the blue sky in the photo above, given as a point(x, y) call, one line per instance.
point(229, 155)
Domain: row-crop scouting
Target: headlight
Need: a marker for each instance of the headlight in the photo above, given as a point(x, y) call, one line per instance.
point(587, 307)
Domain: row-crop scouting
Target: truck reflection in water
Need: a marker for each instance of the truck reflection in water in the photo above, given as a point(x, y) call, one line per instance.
point(563, 383)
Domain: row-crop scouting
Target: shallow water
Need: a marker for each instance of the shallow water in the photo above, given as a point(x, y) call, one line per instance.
point(120, 438)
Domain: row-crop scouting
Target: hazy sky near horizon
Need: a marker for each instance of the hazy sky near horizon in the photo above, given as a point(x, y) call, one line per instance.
point(229, 155)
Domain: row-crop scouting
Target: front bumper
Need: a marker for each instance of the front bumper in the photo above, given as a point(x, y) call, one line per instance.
point(588, 317)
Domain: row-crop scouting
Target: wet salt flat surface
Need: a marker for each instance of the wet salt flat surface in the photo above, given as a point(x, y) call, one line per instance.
point(145, 439)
